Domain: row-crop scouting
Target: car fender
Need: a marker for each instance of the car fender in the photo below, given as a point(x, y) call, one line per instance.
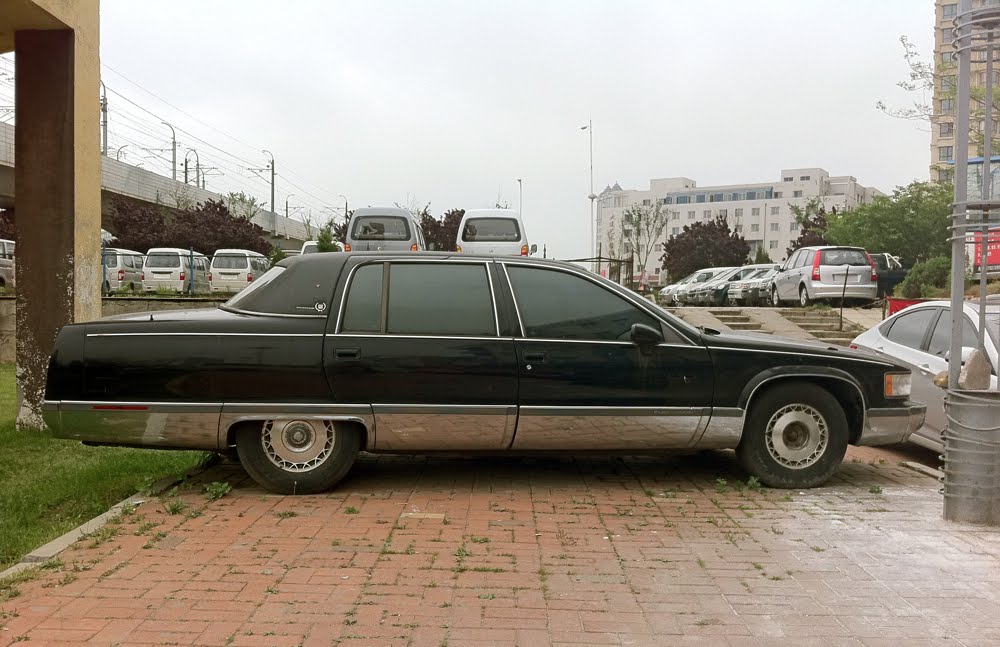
point(791, 372)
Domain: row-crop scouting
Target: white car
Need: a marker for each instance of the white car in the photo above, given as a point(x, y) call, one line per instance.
point(920, 337)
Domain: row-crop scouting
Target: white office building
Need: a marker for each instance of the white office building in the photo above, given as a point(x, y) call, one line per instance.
point(761, 211)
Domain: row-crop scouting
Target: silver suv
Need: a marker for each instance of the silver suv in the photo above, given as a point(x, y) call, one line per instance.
point(813, 273)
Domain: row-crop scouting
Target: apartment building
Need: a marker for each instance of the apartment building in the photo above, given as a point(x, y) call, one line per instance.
point(760, 211)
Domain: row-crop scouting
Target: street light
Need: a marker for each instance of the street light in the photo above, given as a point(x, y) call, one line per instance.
point(520, 200)
point(345, 205)
point(590, 131)
point(173, 149)
point(118, 154)
point(286, 203)
point(197, 170)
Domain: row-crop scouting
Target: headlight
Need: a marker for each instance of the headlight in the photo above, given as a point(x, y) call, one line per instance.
point(897, 385)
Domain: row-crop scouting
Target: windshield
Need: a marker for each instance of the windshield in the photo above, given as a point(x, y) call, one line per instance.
point(843, 257)
point(229, 262)
point(380, 228)
point(163, 259)
point(491, 229)
point(254, 287)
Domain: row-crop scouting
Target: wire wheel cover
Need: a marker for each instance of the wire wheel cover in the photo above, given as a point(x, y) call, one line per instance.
point(297, 445)
point(797, 436)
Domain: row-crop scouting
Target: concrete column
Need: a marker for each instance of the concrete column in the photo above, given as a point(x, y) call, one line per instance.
point(58, 194)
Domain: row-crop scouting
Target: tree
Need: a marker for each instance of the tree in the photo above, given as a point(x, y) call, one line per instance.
point(643, 227)
point(912, 223)
point(441, 234)
point(340, 229)
point(813, 223)
point(276, 256)
point(761, 257)
point(7, 224)
point(325, 239)
point(137, 225)
point(704, 244)
point(209, 226)
point(242, 205)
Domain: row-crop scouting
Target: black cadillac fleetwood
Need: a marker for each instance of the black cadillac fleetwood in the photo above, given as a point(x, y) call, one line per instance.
point(327, 355)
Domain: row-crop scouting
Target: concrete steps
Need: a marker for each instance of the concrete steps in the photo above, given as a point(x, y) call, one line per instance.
point(734, 319)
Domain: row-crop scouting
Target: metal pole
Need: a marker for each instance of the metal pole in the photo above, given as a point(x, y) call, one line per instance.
point(190, 288)
point(104, 119)
point(987, 190)
point(173, 149)
point(104, 267)
point(592, 196)
point(520, 198)
point(274, 209)
point(286, 203)
point(843, 295)
point(185, 169)
point(961, 193)
point(118, 154)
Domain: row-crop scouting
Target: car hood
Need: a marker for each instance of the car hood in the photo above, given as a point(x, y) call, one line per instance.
point(766, 342)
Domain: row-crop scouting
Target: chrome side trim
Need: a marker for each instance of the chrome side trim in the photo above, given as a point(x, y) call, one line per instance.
point(201, 334)
point(258, 412)
point(395, 336)
point(724, 429)
point(177, 425)
point(276, 315)
point(493, 298)
point(608, 428)
point(798, 354)
point(409, 427)
point(886, 426)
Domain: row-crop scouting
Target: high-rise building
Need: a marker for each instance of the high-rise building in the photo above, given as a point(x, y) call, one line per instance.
point(760, 211)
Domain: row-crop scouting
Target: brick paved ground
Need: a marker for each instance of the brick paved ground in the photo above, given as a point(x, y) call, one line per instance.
point(530, 551)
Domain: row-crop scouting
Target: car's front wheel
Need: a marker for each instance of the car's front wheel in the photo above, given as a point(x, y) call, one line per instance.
point(795, 436)
point(775, 301)
point(298, 456)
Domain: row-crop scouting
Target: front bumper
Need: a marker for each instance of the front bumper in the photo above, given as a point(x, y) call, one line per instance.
point(892, 424)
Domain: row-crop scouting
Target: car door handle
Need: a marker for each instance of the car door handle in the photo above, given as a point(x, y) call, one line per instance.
point(347, 353)
point(534, 357)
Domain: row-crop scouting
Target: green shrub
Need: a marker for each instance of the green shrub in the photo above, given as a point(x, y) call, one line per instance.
point(923, 277)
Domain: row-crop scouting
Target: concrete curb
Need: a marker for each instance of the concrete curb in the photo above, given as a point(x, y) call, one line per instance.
point(923, 469)
point(61, 543)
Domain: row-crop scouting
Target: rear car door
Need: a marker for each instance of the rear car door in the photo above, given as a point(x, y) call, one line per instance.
point(584, 385)
point(785, 281)
point(419, 341)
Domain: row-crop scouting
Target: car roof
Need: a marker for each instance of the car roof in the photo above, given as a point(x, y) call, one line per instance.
point(117, 250)
point(168, 250)
point(247, 252)
point(491, 213)
point(381, 211)
point(992, 304)
point(341, 258)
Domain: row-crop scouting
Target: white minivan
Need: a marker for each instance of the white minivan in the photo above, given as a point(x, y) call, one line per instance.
point(176, 270)
point(497, 232)
point(231, 270)
point(6, 263)
point(122, 270)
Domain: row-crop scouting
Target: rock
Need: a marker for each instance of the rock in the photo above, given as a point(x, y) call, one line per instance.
point(941, 379)
point(976, 372)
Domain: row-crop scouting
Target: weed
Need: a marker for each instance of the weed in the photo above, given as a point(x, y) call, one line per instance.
point(175, 506)
point(480, 540)
point(8, 585)
point(776, 530)
point(350, 510)
point(350, 621)
point(53, 564)
point(818, 549)
point(758, 566)
point(461, 552)
point(335, 542)
point(445, 605)
point(701, 562)
point(753, 484)
point(286, 514)
point(787, 497)
point(720, 486)
point(875, 489)
point(193, 514)
point(102, 535)
point(216, 490)
point(272, 589)
point(487, 596)
point(144, 528)
point(154, 540)
point(488, 569)
point(648, 492)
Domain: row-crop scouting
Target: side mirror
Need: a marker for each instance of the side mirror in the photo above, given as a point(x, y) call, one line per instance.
point(967, 352)
point(644, 335)
point(778, 268)
point(534, 248)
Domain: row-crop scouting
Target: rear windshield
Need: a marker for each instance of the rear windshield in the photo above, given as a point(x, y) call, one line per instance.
point(843, 257)
point(491, 230)
point(380, 228)
point(110, 259)
point(310, 248)
point(168, 259)
point(229, 262)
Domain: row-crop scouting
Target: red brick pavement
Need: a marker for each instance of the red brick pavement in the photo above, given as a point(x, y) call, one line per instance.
point(530, 551)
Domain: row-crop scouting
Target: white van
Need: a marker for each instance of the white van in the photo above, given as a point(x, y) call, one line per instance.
point(384, 229)
point(171, 268)
point(6, 263)
point(122, 270)
point(497, 232)
point(309, 247)
point(232, 270)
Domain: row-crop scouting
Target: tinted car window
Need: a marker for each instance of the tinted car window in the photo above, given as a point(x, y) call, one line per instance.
point(440, 299)
point(380, 228)
point(363, 312)
point(909, 329)
point(491, 229)
point(229, 262)
point(158, 259)
point(793, 259)
point(843, 257)
point(558, 305)
point(941, 337)
point(110, 259)
point(298, 289)
point(127, 261)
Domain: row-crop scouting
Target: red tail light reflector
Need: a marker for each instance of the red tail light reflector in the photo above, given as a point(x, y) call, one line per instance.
point(347, 247)
point(815, 273)
point(524, 250)
point(121, 275)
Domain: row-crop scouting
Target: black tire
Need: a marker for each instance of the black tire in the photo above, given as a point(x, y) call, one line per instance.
point(775, 301)
point(787, 459)
point(804, 299)
point(324, 467)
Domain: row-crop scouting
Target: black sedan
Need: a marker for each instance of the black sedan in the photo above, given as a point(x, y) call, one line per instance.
point(327, 355)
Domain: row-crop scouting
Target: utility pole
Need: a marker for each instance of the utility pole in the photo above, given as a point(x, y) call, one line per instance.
point(520, 198)
point(274, 217)
point(173, 149)
point(104, 120)
point(590, 130)
point(197, 159)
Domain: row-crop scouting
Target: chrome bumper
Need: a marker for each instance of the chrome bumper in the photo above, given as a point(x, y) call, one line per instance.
point(892, 425)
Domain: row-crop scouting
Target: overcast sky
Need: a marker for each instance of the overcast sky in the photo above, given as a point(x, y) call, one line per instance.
point(450, 102)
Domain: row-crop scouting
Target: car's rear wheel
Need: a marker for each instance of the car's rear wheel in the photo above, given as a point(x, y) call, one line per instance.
point(298, 456)
point(795, 436)
point(804, 299)
point(775, 301)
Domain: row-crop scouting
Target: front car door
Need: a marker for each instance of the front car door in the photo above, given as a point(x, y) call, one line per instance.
point(784, 280)
point(583, 383)
point(419, 341)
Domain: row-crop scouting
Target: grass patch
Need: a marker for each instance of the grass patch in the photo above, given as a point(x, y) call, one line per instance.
point(50, 486)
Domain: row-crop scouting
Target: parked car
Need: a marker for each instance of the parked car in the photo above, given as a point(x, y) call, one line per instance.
point(919, 337)
point(890, 272)
point(122, 270)
point(176, 270)
point(681, 293)
point(7, 263)
point(231, 270)
point(329, 354)
point(757, 291)
point(715, 292)
point(739, 291)
point(383, 229)
point(814, 273)
point(495, 232)
point(666, 294)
